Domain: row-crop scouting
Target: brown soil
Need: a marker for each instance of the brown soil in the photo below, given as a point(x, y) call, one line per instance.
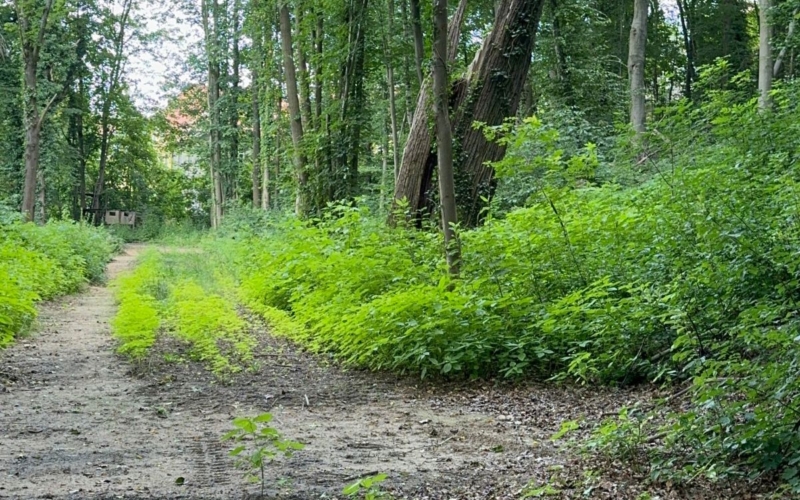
point(77, 421)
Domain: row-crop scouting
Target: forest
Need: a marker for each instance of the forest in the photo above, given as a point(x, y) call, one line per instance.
point(478, 249)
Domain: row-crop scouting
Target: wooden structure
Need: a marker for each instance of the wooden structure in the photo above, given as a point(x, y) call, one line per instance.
point(119, 217)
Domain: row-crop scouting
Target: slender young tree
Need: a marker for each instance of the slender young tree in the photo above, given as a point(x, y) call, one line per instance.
point(390, 82)
point(295, 122)
point(444, 136)
point(636, 61)
point(782, 54)
point(210, 18)
point(765, 68)
point(419, 47)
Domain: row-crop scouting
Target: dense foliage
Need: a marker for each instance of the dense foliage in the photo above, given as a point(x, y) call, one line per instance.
point(43, 262)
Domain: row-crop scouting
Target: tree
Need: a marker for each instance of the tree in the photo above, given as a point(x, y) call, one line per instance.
point(211, 30)
point(33, 20)
point(489, 94)
point(444, 138)
point(636, 61)
point(300, 206)
point(765, 68)
point(412, 182)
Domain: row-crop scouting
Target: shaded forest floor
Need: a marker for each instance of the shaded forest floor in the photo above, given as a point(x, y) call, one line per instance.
point(77, 421)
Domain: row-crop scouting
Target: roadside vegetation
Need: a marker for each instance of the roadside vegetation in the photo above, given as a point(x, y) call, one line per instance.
point(44, 262)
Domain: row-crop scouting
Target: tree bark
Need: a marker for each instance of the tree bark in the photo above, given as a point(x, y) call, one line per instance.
point(31, 45)
point(409, 111)
point(419, 47)
point(295, 122)
point(256, 110)
point(306, 118)
point(416, 168)
point(782, 54)
point(489, 94)
point(209, 11)
point(390, 82)
point(636, 61)
point(764, 54)
point(233, 106)
point(444, 139)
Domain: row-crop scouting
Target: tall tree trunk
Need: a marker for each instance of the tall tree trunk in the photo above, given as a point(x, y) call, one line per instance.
point(390, 82)
point(418, 162)
point(233, 105)
point(33, 130)
point(489, 94)
point(419, 47)
point(409, 111)
point(319, 41)
point(688, 46)
point(295, 122)
point(351, 96)
point(256, 110)
point(306, 117)
point(636, 61)
point(444, 138)
point(209, 11)
point(764, 54)
point(31, 42)
point(782, 54)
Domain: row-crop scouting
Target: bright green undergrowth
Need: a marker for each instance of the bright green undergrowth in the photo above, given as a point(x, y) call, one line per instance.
point(44, 262)
point(183, 294)
point(694, 274)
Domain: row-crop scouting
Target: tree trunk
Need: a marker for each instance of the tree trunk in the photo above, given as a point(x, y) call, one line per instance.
point(233, 107)
point(256, 110)
point(306, 118)
point(764, 54)
point(789, 34)
point(351, 96)
point(295, 122)
point(444, 138)
point(688, 46)
point(390, 82)
point(31, 44)
point(636, 61)
point(213, 52)
point(409, 111)
point(418, 162)
point(106, 132)
point(318, 34)
point(419, 47)
point(489, 94)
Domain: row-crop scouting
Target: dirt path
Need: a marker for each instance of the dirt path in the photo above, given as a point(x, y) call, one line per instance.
point(76, 421)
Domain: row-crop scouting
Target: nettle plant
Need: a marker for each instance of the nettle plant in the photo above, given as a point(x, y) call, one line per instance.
point(257, 445)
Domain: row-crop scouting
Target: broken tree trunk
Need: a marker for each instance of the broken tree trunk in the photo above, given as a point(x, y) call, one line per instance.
point(418, 160)
point(489, 94)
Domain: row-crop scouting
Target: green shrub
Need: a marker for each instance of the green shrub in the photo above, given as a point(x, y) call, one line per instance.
point(693, 274)
point(44, 262)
